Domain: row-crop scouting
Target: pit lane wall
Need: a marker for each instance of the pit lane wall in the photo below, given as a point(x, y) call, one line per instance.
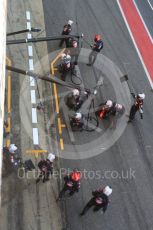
point(3, 14)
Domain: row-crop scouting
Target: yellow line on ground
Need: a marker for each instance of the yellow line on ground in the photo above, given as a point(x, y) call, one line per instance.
point(52, 69)
point(8, 129)
point(36, 151)
point(57, 57)
point(8, 142)
point(54, 85)
point(59, 125)
point(56, 98)
point(61, 144)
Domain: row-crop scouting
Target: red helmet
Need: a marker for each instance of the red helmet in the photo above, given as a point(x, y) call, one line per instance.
point(97, 37)
point(76, 175)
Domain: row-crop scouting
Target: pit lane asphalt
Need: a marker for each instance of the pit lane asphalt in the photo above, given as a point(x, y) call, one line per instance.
point(147, 13)
point(131, 206)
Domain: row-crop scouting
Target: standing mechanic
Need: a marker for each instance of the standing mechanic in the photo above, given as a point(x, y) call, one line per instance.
point(137, 106)
point(72, 183)
point(96, 48)
point(99, 200)
point(66, 31)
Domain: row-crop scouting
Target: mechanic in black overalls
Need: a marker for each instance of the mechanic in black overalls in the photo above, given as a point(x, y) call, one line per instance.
point(137, 106)
point(96, 48)
point(66, 31)
point(99, 200)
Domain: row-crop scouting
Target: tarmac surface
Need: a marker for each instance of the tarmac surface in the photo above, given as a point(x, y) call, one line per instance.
point(130, 206)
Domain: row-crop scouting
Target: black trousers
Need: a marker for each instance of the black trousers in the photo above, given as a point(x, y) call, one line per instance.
point(65, 71)
point(78, 125)
point(133, 111)
point(44, 176)
point(64, 74)
point(66, 188)
point(89, 205)
point(64, 40)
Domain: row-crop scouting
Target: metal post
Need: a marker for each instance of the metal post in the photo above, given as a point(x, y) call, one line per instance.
point(41, 39)
point(44, 78)
point(24, 31)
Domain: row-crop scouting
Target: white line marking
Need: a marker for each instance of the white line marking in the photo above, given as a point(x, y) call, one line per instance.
point(33, 96)
point(34, 115)
point(32, 81)
point(29, 36)
point(35, 136)
point(138, 52)
point(30, 51)
point(28, 15)
point(150, 4)
point(31, 64)
point(148, 32)
point(29, 25)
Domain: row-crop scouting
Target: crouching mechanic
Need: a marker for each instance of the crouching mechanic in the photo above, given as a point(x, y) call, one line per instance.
point(77, 120)
point(76, 98)
point(46, 168)
point(66, 31)
point(106, 109)
point(65, 65)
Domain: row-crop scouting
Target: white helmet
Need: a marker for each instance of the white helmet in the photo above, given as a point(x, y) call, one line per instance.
point(109, 103)
point(78, 115)
point(70, 22)
point(12, 148)
point(68, 57)
point(107, 190)
point(75, 92)
point(141, 95)
point(51, 157)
